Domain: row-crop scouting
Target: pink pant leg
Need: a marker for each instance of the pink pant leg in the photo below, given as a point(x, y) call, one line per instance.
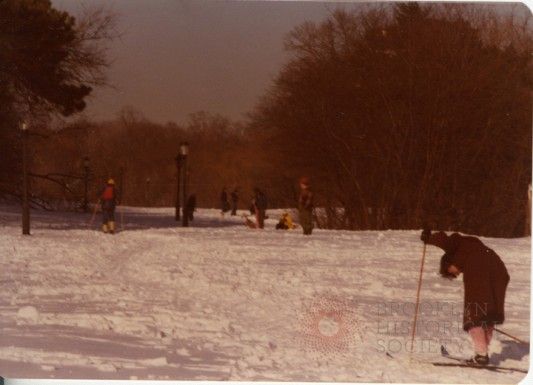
point(479, 339)
point(488, 334)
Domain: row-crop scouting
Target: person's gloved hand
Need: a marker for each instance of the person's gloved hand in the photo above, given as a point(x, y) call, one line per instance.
point(426, 233)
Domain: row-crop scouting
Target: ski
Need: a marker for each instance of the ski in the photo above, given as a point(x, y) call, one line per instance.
point(494, 368)
point(461, 362)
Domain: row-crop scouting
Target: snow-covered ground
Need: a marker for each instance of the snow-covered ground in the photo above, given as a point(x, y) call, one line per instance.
point(220, 301)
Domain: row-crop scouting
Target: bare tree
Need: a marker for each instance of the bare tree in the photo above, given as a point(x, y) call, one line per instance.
point(49, 64)
point(408, 116)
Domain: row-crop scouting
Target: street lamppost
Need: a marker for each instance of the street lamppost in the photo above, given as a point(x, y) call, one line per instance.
point(147, 191)
point(178, 177)
point(184, 151)
point(25, 182)
point(86, 164)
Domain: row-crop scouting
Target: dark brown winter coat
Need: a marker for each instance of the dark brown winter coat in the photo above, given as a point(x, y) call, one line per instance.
point(485, 278)
point(305, 207)
point(305, 201)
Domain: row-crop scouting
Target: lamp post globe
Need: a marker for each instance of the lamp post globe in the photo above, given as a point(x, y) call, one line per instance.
point(184, 148)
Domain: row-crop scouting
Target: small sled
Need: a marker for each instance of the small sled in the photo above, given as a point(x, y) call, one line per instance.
point(249, 223)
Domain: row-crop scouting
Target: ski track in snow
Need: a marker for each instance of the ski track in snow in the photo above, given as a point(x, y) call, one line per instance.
point(220, 301)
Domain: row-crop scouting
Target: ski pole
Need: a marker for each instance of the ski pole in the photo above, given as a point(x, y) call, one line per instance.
point(94, 214)
point(418, 298)
point(513, 337)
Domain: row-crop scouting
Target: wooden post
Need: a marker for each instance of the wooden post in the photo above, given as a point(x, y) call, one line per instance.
point(185, 217)
point(528, 213)
point(147, 192)
point(85, 184)
point(121, 185)
point(25, 182)
point(178, 177)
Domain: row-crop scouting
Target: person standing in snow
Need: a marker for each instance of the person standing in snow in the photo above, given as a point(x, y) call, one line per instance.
point(305, 206)
point(190, 207)
point(485, 280)
point(234, 201)
point(108, 199)
point(260, 206)
point(252, 205)
point(224, 203)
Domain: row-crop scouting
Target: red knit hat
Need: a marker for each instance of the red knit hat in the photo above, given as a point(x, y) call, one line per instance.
point(305, 180)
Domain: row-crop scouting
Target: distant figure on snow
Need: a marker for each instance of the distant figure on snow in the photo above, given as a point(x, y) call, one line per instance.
point(108, 199)
point(260, 206)
point(252, 205)
point(190, 207)
point(285, 222)
point(234, 201)
point(305, 205)
point(224, 203)
point(485, 280)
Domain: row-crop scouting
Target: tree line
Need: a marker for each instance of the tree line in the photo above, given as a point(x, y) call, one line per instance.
point(140, 156)
point(405, 116)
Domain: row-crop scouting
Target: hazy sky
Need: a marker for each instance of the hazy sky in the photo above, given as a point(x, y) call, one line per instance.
point(178, 57)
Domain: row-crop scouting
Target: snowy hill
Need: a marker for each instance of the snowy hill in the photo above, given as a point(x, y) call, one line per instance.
point(220, 301)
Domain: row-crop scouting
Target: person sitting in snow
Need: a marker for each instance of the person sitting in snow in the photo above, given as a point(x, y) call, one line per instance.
point(485, 280)
point(108, 199)
point(285, 222)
